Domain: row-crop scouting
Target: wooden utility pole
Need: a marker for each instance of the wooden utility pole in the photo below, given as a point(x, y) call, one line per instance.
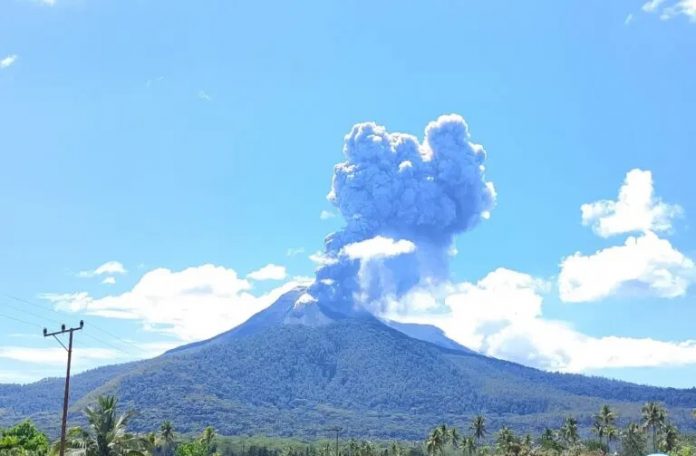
point(55, 335)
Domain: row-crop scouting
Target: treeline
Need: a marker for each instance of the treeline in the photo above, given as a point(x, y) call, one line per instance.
point(106, 434)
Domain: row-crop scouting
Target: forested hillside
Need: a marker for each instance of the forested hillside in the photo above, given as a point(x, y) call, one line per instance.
point(359, 374)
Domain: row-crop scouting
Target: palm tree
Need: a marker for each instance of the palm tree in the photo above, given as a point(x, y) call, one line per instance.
point(598, 428)
point(633, 441)
point(207, 439)
point(603, 424)
point(454, 437)
point(506, 441)
point(668, 438)
point(612, 434)
point(353, 448)
point(167, 437)
point(469, 446)
point(569, 431)
point(106, 433)
point(435, 442)
point(653, 418)
point(478, 427)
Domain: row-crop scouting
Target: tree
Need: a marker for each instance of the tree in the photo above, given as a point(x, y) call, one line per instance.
point(668, 438)
point(454, 437)
point(478, 428)
point(395, 449)
point(469, 446)
point(603, 425)
point(106, 433)
point(208, 439)
point(24, 437)
point(194, 448)
point(654, 416)
point(507, 442)
point(612, 434)
point(167, 437)
point(549, 442)
point(633, 441)
point(569, 431)
point(435, 444)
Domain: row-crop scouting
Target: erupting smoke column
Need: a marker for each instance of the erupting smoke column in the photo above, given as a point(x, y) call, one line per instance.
point(403, 203)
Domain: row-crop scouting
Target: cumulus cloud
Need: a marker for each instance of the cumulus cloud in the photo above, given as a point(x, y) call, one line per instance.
point(192, 304)
point(501, 315)
point(111, 280)
point(469, 311)
point(636, 209)
point(391, 186)
point(110, 267)
point(643, 266)
point(8, 61)
point(269, 272)
point(670, 9)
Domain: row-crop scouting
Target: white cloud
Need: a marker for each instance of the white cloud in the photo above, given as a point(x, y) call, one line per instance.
point(56, 355)
point(111, 280)
point(636, 210)
point(110, 267)
point(8, 61)
point(643, 266)
point(293, 251)
point(192, 304)
point(673, 9)
point(322, 259)
point(652, 5)
point(469, 311)
point(326, 215)
point(501, 316)
point(378, 247)
point(269, 272)
point(685, 7)
point(629, 19)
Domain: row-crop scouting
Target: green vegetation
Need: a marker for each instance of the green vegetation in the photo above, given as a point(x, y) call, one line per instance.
point(106, 434)
point(23, 439)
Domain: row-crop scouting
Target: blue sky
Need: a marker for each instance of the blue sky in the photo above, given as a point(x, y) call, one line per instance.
point(165, 136)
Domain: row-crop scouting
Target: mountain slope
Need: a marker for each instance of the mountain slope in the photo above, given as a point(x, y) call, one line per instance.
point(275, 376)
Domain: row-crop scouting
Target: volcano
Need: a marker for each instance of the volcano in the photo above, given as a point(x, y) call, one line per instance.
point(298, 367)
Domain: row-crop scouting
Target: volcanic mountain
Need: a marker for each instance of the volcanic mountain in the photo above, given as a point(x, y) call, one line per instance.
point(298, 368)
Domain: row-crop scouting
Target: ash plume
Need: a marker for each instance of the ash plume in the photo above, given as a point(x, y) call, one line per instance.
point(403, 202)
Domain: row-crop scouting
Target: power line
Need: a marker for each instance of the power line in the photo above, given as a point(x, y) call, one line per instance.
point(91, 336)
point(20, 320)
point(117, 338)
point(40, 317)
point(123, 341)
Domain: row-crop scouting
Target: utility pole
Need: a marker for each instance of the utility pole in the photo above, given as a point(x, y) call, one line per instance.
point(337, 430)
point(55, 335)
